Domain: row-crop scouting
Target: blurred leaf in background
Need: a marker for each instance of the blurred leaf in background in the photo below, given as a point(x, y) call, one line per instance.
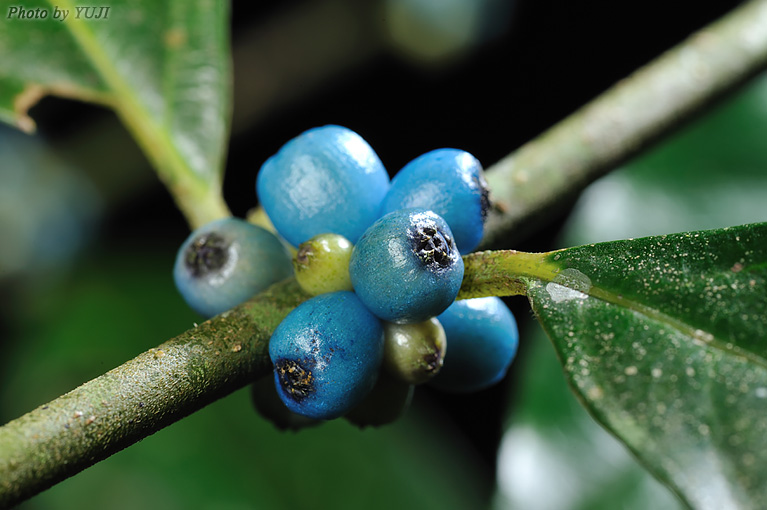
point(47, 209)
point(711, 174)
point(437, 32)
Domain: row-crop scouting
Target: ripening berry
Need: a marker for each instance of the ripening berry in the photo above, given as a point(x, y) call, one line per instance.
point(321, 264)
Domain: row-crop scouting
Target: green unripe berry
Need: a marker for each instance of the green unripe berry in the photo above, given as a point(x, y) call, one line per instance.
point(322, 264)
point(386, 402)
point(414, 353)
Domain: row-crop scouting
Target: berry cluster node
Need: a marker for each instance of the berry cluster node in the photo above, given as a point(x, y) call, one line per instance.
point(382, 260)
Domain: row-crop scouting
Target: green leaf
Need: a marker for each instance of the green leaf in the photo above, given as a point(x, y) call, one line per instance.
point(163, 66)
point(664, 340)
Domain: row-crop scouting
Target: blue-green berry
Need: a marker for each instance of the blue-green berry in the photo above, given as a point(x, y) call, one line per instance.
point(449, 182)
point(327, 179)
point(226, 262)
point(482, 339)
point(327, 354)
point(406, 267)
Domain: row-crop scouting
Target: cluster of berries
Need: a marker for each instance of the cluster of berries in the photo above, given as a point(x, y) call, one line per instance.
point(383, 262)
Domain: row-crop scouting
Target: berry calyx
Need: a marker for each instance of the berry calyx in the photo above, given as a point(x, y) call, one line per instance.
point(268, 404)
point(297, 381)
point(206, 254)
point(433, 246)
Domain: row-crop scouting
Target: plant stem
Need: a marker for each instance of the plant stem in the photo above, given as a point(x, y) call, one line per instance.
point(201, 365)
point(501, 273)
point(134, 400)
point(545, 175)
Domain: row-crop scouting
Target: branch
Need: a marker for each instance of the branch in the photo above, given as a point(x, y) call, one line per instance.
point(544, 175)
point(169, 382)
point(132, 401)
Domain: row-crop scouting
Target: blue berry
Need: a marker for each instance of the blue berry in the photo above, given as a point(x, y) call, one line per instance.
point(449, 182)
point(327, 354)
point(406, 267)
point(226, 262)
point(327, 179)
point(482, 340)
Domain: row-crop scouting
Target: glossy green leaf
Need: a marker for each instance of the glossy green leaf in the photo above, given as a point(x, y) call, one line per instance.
point(163, 66)
point(664, 339)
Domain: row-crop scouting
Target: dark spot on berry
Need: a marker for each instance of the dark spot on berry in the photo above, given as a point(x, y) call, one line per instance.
point(297, 381)
point(206, 254)
point(305, 252)
point(432, 362)
point(433, 247)
point(484, 198)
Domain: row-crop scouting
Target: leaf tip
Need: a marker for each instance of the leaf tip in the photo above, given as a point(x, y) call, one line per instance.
point(25, 100)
